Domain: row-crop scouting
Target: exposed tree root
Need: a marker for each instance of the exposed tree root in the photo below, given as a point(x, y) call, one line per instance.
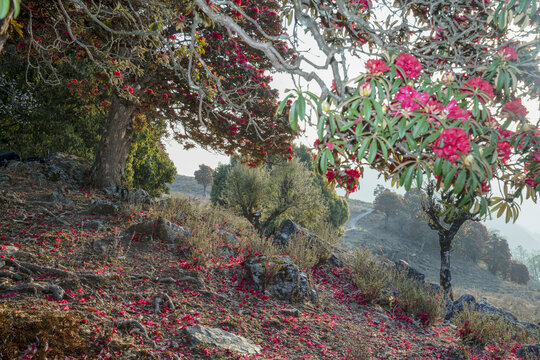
point(129, 324)
point(56, 291)
point(162, 298)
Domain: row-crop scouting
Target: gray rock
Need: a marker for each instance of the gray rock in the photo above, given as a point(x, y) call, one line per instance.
point(100, 247)
point(227, 252)
point(230, 238)
point(288, 228)
point(131, 196)
point(69, 169)
point(484, 307)
point(59, 198)
point(529, 351)
point(464, 302)
point(281, 278)
point(95, 225)
point(412, 273)
point(103, 207)
point(217, 338)
point(161, 228)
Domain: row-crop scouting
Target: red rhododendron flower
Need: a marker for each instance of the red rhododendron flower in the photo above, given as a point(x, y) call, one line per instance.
point(330, 175)
point(117, 73)
point(354, 173)
point(504, 150)
point(451, 144)
point(485, 187)
point(410, 66)
point(376, 67)
point(508, 53)
point(456, 112)
point(478, 86)
point(515, 108)
point(410, 99)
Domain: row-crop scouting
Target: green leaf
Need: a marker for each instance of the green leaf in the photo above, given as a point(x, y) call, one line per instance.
point(301, 108)
point(16, 8)
point(384, 149)
point(448, 180)
point(346, 126)
point(437, 168)
point(323, 164)
point(282, 104)
point(372, 151)
point(333, 124)
point(402, 127)
point(419, 177)
point(293, 116)
point(320, 127)
point(378, 109)
point(330, 156)
point(447, 167)
point(431, 138)
point(363, 148)
point(366, 108)
point(475, 110)
point(409, 177)
point(460, 182)
point(4, 8)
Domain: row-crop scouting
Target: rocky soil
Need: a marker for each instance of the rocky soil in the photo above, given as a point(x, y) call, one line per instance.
point(84, 276)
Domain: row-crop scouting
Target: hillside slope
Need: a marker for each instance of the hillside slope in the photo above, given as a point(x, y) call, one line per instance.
point(468, 278)
point(78, 280)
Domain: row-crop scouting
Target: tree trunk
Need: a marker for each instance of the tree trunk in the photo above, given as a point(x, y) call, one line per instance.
point(445, 275)
point(204, 189)
point(4, 26)
point(113, 149)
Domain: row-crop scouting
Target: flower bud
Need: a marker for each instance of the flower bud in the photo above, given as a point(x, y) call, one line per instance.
point(365, 89)
point(468, 160)
point(326, 106)
point(448, 77)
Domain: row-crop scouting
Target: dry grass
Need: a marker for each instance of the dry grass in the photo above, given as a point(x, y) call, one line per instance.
point(378, 282)
point(43, 334)
point(484, 329)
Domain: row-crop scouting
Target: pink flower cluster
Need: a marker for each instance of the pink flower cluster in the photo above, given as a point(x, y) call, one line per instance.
point(410, 99)
point(515, 108)
point(508, 53)
point(478, 86)
point(376, 67)
point(451, 143)
point(410, 66)
point(349, 180)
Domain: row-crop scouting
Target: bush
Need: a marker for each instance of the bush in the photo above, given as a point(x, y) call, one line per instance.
point(484, 329)
point(381, 283)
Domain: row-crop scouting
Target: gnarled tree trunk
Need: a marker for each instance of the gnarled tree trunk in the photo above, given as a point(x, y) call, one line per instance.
point(113, 149)
point(445, 274)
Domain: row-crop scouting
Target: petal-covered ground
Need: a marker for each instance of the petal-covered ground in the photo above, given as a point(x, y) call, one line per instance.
point(130, 297)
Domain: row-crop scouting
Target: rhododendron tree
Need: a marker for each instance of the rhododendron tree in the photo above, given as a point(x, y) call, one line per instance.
point(203, 176)
point(171, 62)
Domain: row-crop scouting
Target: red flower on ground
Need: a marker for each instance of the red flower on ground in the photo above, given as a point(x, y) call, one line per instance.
point(478, 86)
point(515, 108)
point(376, 67)
point(451, 143)
point(410, 66)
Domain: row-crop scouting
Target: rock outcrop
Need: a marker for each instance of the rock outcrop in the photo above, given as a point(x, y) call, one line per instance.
point(217, 338)
point(281, 278)
point(160, 228)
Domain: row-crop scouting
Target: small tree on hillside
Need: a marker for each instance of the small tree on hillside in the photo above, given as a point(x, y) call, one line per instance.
point(263, 195)
point(497, 255)
point(389, 203)
point(204, 176)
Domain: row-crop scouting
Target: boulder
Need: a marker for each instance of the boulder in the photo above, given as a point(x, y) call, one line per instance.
point(484, 307)
point(59, 198)
point(161, 228)
point(529, 351)
point(217, 338)
point(103, 207)
point(69, 169)
point(464, 302)
point(412, 273)
point(289, 228)
point(131, 196)
point(281, 278)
